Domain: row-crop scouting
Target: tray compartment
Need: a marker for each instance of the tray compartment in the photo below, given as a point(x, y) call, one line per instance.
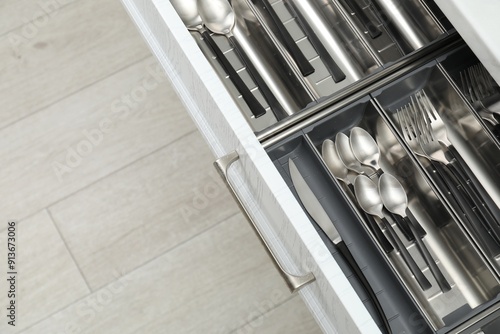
point(465, 132)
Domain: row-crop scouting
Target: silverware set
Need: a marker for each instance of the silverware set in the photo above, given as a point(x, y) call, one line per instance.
point(425, 132)
point(354, 160)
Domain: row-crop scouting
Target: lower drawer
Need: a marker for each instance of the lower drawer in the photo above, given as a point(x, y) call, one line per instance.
point(404, 120)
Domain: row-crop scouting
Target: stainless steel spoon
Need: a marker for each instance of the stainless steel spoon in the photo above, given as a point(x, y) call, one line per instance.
point(365, 148)
point(394, 198)
point(333, 162)
point(340, 171)
point(369, 200)
point(218, 16)
point(188, 12)
point(345, 153)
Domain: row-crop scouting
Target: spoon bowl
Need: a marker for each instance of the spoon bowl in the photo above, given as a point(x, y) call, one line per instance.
point(364, 147)
point(218, 15)
point(368, 196)
point(333, 161)
point(345, 153)
point(188, 12)
point(392, 194)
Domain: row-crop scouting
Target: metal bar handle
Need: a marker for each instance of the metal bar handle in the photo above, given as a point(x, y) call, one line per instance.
point(293, 282)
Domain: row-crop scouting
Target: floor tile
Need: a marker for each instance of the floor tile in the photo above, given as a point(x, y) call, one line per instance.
point(290, 317)
point(143, 210)
point(85, 42)
point(213, 283)
point(87, 136)
point(47, 278)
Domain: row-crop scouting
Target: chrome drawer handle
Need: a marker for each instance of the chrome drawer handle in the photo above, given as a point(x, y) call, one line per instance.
point(293, 282)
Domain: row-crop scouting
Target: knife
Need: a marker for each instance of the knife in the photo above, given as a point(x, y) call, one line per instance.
point(319, 215)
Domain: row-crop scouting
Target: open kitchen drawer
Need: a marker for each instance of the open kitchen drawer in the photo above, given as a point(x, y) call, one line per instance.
point(266, 195)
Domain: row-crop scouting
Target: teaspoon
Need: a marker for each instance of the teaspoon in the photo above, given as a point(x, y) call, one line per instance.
point(345, 153)
point(394, 198)
point(369, 200)
point(188, 12)
point(365, 148)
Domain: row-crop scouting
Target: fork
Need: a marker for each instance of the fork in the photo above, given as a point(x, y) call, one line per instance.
point(478, 86)
point(436, 138)
point(420, 125)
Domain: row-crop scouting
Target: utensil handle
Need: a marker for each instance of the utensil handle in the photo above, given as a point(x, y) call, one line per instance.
point(429, 260)
point(255, 107)
point(331, 65)
point(418, 228)
point(257, 78)
point(373, 31)
point(344, 250)
point(462, 203)
point(480, 206)
point(422, 281)
point(403, 227)
point(302, 62)
point(479, 195)
point(373, 226)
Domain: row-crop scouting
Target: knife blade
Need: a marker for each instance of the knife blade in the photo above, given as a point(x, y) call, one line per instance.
point(315, 209)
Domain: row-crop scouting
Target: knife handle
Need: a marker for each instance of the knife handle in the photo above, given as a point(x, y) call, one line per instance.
point(255, 107)
point(257, 78)
point(334, 69)
point(344, 250)
point(302, 62)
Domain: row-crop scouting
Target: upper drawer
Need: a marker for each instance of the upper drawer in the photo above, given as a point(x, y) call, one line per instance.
point(282, 59)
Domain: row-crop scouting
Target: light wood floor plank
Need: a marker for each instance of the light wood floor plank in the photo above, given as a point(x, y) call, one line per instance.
point(211, 284)
point(292, 317)
point(85, 42)
point(143, 210)
point(85, 137)
point(33, 14)
point(48, 279)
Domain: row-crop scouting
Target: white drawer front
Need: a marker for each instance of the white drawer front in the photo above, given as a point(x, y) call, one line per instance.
point(331, 298)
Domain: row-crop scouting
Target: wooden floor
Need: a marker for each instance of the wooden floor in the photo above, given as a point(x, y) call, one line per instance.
point(123, 225)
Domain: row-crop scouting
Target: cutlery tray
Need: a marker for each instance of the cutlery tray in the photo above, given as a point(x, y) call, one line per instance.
point(342, 37)
point(468, 261)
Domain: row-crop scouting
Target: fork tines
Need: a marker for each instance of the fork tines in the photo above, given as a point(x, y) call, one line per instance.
point(415, 118)
point(477, 83)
